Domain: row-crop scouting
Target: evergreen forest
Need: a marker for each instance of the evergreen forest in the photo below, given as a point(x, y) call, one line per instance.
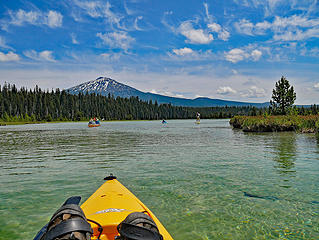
point(58, 105)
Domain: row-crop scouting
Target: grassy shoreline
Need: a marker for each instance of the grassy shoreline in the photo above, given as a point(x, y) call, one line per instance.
point(298, 123)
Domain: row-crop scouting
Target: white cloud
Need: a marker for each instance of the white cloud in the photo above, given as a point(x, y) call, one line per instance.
point(226, 90)
point(40, 56)
point(313, 52)
point(256, 54)
point(112, 17)
point(316, 86)
point(195, 32)
point(297, 35)
point(164, 21)
point(46, 55)
point(9, 57)
point(244, 26)
point(236, 55)
point(136, 23)
point(52, 18)
point(111, 56)
point(280, 23)
point(100, 9)
point(224, 35)
point(117, 39)
point(195, 36)
point(271, 6)
point(92, 8)
point(183, 51)
point(128, 11)
point(209, 17)
point(199, 96)
point(3, 43)
point(292, 28)
point(73, 37)
point(189, 55)
point(254, 92)
point(312, 7)
point(261, 27)
point(167, 93)
point(21, 16)
point(214, 27)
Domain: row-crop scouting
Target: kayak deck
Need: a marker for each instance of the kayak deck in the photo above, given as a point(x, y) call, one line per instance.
point(110, 205)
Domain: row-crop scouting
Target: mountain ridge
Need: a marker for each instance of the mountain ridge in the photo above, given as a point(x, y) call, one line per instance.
point(105, 86)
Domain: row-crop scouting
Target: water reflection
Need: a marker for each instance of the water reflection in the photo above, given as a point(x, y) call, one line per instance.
point(285, 156)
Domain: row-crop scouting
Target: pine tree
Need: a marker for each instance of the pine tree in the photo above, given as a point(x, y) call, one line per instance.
point(283, 97)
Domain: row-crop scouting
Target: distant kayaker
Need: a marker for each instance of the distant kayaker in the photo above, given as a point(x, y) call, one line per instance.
point(198, 116)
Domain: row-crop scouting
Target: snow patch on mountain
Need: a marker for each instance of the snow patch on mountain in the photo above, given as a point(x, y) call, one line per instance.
point(105, 86)
point(98, 86)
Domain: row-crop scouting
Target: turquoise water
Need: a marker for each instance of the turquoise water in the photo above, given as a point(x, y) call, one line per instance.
point(193, 177)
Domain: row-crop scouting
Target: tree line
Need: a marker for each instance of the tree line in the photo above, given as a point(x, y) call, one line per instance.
point(56, 105)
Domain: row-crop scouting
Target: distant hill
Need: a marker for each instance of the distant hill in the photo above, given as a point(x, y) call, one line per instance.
point(105, 86)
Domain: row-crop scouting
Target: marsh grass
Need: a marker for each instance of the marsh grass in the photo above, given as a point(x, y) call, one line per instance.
point(298, 123)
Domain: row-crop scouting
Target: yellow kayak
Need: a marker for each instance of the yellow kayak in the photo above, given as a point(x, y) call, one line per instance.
point(110, 205)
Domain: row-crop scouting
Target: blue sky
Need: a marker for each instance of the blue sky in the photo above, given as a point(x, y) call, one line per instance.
point(234, 49)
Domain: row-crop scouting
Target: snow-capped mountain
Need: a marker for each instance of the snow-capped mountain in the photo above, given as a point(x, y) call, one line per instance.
point(105, 86)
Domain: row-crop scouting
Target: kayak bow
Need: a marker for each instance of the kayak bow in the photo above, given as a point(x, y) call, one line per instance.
point(110, 205)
